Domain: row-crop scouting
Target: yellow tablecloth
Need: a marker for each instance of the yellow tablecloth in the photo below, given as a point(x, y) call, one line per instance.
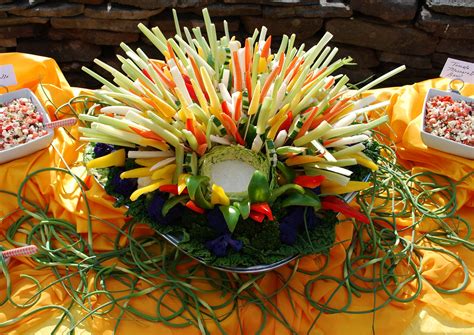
point(443, 313)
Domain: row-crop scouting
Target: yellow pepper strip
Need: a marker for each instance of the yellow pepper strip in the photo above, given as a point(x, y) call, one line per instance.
point(262, 65)
point(328, 187)
point(365, 162)
point(211, 91)
point(279, 119)
point(300, 160)
point(150, 188)
point(164, 173)
point(277, 116)
point(201, 97)
point(218, 196)
point(182, 179)
point(116, 158)
point(136, 173)
point(254, 103)
point(148, 162)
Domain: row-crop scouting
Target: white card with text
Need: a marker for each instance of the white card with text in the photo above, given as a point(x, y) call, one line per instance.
point(7, 75)
point(458, 69)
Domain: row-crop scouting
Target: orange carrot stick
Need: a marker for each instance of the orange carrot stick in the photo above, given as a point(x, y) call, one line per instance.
point(237, 71)
point(266, 47)
point(307, 123)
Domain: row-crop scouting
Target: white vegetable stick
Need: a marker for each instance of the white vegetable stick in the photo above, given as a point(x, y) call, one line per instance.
point(150, 154)
point(324, 151)
point(162, 163)
point(120, 110)
point(345, 121)
point(371, 107)
point(348, 140)
point(225, 77)
point(179, 81)
point(337, 169)
point(220, 140)
point(364, 102)
point(143, 181)
point(281, 138)
point(349, 150)
point(225, 93)
point(257, 144)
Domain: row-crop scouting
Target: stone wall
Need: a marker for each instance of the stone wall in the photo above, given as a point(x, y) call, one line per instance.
point(378, 34)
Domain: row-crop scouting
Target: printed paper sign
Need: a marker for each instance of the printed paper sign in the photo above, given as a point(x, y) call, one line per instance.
point(7, 75)
point(458, 69)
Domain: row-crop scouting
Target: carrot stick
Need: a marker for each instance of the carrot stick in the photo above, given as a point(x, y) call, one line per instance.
point(307, 123)
point(238, 107)
point(237, 73)
point(266, 48)
point(271, 77)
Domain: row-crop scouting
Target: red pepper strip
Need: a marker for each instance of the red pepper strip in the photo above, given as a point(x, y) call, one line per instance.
point(309, 181)
point(163, 76)
point(262, 208)
point(225, 108)
point(287, 123)
point(190, 89)
point(197, 132)
point(146, 134)
point(145, 72)
point(198, 76)
point(259, 217)
point(231, 128)
point(202, 149)
point(192, 206)
point(337, 205)
point(172, 188)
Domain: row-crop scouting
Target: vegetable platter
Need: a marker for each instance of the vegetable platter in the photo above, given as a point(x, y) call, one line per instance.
point(241, 156)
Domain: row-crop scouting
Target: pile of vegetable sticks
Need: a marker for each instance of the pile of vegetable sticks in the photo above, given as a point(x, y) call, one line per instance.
point(289, 104)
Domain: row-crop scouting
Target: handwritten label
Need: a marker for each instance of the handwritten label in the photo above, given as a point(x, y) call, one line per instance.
point(7, 75)
point(458, 69)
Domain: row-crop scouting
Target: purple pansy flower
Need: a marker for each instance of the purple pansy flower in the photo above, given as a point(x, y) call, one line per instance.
point(156, 205)
point(220, 245)
point(121, 186)
point(216, 221)
point(102, 149)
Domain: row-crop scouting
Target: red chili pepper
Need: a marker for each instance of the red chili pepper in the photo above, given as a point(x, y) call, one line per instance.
point(337, 205)
point(259, 217)
point(145, 72)
point(192, 206)
point(309, 181)
point(287, 123)
point(262, 208)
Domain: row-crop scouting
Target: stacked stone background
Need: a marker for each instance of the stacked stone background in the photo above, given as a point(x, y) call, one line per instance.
point(378, 34)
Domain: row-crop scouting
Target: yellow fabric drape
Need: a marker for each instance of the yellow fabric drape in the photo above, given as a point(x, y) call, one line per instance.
point(64, 201)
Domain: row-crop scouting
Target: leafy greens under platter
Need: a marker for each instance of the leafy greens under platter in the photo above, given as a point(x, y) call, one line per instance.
point(238, 153)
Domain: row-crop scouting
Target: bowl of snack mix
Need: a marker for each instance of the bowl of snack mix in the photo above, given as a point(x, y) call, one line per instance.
point(448, 123)
point(23, 129)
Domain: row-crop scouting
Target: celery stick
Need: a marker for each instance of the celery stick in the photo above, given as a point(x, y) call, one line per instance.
point(314, 134)
point(341, 163)
point(349, 150)
point(88, 118)
point(150, 154)
point(321, 58)
point(318, 146)
point(157, 42)
point(263, 116)
point(354, 129)
point(330, 57)
point(162, 123)
point(379, 80)
point(100, 79)
point(179, 163)
point(335, 177)
point(107, 140)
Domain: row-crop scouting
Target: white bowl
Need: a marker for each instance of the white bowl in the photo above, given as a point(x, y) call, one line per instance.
point(440, 143)
point(32, 146)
